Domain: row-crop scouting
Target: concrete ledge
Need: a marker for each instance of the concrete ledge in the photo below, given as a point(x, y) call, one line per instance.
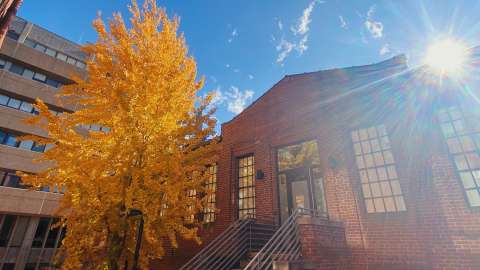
point(28, 202)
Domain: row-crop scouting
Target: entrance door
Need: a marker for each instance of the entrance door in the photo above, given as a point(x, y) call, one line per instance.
point(299, 191)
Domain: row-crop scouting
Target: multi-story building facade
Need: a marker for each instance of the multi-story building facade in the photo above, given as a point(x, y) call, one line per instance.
point(388, 153)
point(34, 63)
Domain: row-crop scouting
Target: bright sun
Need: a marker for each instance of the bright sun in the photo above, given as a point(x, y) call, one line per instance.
point(447, 57)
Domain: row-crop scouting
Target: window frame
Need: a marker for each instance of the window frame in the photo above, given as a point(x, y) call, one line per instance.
point(359, 183)
point(211, 186)
point(253, 187)
point(451, 156)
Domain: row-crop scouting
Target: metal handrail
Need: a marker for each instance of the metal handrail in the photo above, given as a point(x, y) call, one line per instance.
point(283, 245)
point(224, 250)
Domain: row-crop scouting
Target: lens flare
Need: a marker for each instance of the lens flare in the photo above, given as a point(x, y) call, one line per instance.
point(447, 57)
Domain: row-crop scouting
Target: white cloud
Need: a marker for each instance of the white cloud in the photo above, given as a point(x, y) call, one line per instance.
point(227, 65)
point(233, 35)
point(302, 45)
point(236, 70)
point(300, 32)
point(280, 25)
point(250, 76)
point(304, 20)
point(237, 99)
point(284, 48)
point(343, 23)
point(375, 28)
point(385, 49)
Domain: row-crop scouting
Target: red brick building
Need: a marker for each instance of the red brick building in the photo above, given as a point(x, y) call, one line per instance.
point(389, 154)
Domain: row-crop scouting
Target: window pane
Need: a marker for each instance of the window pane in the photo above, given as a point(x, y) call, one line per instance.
point(30, 43)
point(3, 99)
point(40, 77)
point(42, 228)
point(6, 229)
point(27, 73)
point(20, 229)
point(81, 64)
point(61, 56)
point(14, 103)
point(379, 207)
point(16, 69)
point(369, 206)
point(10, 140)
point(40, 47)
point(26, 107)
point(461, 162)
point(473, 197)
point(454, 145)
point(386, 191)
point(71, 61)
point(53, 83)
point(26, 145)
point(50, 52)
point(467, 180)
point(366, 191)
point(389, 204)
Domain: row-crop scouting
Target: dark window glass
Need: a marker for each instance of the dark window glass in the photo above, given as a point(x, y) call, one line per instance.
point(53, 83)
point(6, 230)
point(2, 63)
point(63, 232)
point(30, 266)
point(38, 148)
point(3, 175)
point(40, 232)
point(16, 69)
point(10, 140)
point(52, 234)
point(11, 180)
point(20, 229)
point(13, 35)
point(3, 135)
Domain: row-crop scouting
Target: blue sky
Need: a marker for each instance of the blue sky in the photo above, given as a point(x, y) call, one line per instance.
point(244, 47)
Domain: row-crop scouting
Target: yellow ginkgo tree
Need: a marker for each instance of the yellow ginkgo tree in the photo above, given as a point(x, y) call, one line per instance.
point(151, 152)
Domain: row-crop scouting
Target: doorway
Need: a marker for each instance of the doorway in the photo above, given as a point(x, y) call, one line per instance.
point(300, 180)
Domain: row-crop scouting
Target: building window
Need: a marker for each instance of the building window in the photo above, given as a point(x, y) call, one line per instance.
point(11, 140)
point(21, 105)
point(6, 229)
point(41, 232)
point(9, 179)
point(378, 174)
point(246, 187)
point(192, 198)
point(53, 53)
point(461, 130)
point(210, 188)
point(29, 74)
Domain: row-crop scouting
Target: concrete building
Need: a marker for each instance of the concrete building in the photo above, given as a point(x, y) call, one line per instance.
point(34, 63)
point(385, 157)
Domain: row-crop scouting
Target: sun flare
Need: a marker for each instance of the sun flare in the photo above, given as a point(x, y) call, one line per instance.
point(447, 56)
